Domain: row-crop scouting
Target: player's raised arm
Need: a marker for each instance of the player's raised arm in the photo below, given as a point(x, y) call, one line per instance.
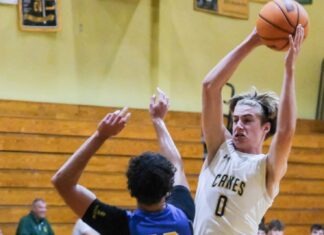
point(158, 109)
point(212, 113)
point(286, 123)
point(77, 197)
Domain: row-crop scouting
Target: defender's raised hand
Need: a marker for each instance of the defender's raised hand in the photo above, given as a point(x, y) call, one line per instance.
point(159, 105)
point(113, 123)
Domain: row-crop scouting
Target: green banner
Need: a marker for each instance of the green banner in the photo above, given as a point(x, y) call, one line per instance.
point(305, 1)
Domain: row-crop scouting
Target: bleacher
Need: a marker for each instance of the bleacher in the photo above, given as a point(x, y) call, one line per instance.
point(36, 138)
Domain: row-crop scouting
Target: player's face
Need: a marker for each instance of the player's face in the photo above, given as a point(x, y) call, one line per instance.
point(40, 209)
point(248, 133)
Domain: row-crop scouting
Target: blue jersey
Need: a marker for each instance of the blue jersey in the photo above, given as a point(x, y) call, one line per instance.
point(174, 219)
point(169, 221)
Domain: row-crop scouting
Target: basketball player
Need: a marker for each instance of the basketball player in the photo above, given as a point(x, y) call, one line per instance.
point(238, 183)
point(150, 178)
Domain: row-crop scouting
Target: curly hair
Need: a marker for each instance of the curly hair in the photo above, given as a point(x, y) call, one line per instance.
point(150, 177)
point(267, 101)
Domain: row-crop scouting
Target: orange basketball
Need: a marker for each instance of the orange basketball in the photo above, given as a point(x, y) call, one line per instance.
point(279, 18)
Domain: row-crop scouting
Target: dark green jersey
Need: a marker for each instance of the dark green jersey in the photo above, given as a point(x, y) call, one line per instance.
point(30, 225)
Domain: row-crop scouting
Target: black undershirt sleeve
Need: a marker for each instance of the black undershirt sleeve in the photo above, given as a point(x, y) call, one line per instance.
point(106, 219)
point(181, 198)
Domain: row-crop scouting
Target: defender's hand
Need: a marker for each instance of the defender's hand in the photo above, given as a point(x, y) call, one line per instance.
point(159, 105)
point(113, 123)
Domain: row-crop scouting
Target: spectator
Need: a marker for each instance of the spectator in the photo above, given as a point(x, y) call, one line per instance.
point(262, 230)
point(276, 227)
point(35, 223)
point(317, 229)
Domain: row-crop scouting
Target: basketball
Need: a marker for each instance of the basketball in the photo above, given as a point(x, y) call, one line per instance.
point(279, 18)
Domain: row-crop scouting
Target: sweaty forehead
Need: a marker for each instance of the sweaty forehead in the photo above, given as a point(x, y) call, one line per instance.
point(247, 110)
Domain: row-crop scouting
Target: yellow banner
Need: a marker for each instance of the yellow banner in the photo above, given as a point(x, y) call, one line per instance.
point(234, 8)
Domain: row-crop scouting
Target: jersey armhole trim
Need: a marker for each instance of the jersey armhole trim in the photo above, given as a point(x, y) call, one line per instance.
point(265, 190)
point(224, 145)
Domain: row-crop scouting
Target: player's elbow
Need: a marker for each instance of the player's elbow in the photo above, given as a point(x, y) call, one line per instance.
point(207, 83)
point(210, 87)
point(61, 185)
point(206, 86)
point(57, 181)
